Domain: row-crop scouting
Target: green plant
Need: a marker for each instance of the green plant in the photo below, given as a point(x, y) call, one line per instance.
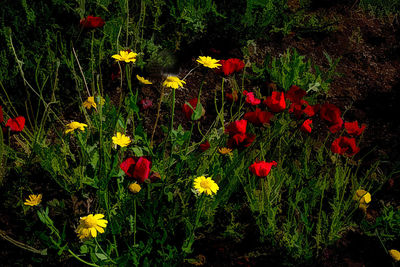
point(293, 69)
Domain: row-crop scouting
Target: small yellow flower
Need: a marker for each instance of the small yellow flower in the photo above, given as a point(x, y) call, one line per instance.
point(121, 139)
point(143, 80)
point(135, 188)
point(395, 254)
point(90, 225)
point(207, 185)
point(225, 150)
point(90, 102)
point(363, 197)
point(209, 62)
point(173, 82)
point(75, 125)
point(33, 200)
point(125, 56)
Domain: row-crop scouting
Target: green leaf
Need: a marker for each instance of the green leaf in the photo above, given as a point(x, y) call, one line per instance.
point(101, 256)
point(197, 112)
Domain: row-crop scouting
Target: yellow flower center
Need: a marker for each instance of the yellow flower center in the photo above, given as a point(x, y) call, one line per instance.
point(205, 184)
point(90, 221)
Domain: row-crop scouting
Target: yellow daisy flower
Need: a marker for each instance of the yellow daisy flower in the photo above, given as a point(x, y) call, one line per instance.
point(395, 254)
point(33, 200)
point(173, 82)
point(75, 125)
point(90, 225)
point(363, 197)
point(90, 102)
point(121, 139)
point(206, 185)
point(225, 150)
point(209, 62)
point(143, 80)
point(125, 56)
point(135, 188)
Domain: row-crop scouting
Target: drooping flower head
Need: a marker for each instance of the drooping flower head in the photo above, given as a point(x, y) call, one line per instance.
point(173, 82)
point(33, 200)
point(344, 145)
point(143, 80)
point(276, 101)
point(91, 103)
point(208, 62)
point(71, 127)
point(205, 185)
point(262, 168)
point(363, 197)
point(90, 225)
point(138, 169)
point(91, 22)
point(352, 128)
point(125, 56)
point(121, 140)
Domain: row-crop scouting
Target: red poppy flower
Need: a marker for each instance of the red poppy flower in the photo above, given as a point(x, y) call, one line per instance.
point(332, 115)
point(187, 110)
point(310, 110)
point(204, 146)
point(146, 103)
point(352, 128)
point(142, 169)
point(258, 117)
point(241, 140)
point(139, 169)
point(298, 110)
point(276, 101)
point(251, 99)
point(17, 124)
point(236, 127)
point(91, 22)
point(345, 145)
point(231, 65)
point(262, 168)
point(306, 126)
point(126, 165)
point(295, 94)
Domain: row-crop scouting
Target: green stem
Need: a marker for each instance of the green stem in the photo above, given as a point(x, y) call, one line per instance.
point(108, 256)
point(81, 260)
point(190, 137)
